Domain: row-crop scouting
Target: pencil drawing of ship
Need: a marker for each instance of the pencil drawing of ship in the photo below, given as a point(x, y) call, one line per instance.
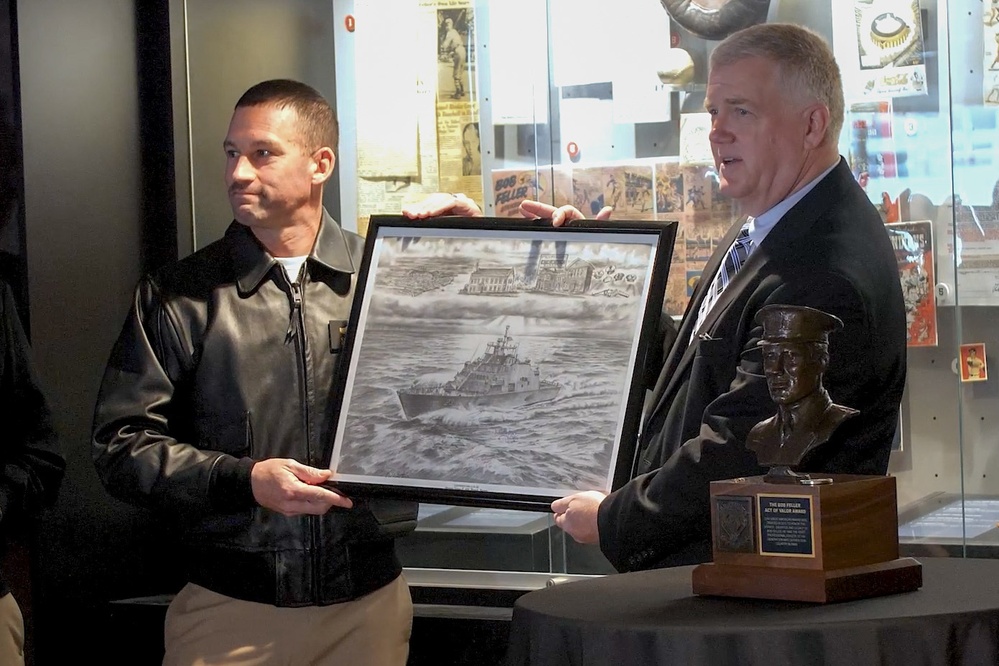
point(497, 378)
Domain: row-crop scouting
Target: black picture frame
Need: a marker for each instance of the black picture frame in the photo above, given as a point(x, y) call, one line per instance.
point(497, 362)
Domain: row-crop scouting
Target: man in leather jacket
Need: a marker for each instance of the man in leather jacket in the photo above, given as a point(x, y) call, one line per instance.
point(216, 408)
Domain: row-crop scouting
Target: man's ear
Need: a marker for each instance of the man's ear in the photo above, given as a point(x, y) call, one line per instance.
point(817, 123)
point(323, 161)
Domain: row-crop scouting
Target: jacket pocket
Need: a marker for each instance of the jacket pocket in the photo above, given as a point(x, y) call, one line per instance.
point(381, 518)
point(713, 367)
point(226, 433)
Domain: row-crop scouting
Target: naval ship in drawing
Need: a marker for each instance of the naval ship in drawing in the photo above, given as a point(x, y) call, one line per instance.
point(497, 378)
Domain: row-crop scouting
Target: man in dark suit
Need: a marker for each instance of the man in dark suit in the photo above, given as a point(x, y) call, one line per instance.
point(775, 96)
point(814, 239)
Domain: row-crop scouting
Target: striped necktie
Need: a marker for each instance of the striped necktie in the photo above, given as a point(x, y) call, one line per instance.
point(737, 255)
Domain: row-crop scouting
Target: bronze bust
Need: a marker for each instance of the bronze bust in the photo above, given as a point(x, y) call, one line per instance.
point(795, 356)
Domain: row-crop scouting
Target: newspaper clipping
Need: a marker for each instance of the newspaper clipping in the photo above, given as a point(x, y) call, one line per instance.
point(549, 184)
point(388, 193)
point(625, 188)
point(458, 139)
point(430, 142)
point(913, 243)
point(459, 151)
point(387, 140)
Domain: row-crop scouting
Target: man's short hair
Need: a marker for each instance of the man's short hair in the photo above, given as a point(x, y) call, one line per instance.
point(806, 63)
point(316, 118)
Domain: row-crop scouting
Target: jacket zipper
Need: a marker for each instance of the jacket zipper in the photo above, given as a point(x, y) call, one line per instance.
point(297, 321)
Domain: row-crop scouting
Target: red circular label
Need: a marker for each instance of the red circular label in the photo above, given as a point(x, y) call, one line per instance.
point(572, 149)
point(674, 40)
point(349, 23)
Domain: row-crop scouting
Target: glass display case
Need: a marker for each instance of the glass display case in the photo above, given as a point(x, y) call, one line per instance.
point(601, 104)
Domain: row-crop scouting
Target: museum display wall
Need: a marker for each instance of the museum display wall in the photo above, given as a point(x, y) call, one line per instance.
point(583, 102)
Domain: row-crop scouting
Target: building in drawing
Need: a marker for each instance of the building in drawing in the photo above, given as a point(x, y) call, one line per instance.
point(562, 277)
point(491, 281)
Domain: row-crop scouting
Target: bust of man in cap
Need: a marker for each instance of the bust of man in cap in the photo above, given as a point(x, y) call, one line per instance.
point(795, 356)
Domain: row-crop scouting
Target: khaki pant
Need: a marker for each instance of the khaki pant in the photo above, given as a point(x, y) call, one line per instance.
point(208, 629)
point(11, 632)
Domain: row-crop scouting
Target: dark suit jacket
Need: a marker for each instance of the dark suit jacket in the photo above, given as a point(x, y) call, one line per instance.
point(830, 252)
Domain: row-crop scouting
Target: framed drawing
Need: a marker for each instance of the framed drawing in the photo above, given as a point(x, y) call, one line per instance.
point(497, 362)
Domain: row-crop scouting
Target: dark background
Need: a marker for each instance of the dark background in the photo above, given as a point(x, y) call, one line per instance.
point(86, 86)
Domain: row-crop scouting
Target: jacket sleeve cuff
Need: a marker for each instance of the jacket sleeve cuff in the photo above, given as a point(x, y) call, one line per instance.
point(230, 489)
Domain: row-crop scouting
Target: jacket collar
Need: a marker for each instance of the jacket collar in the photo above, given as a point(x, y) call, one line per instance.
point(252, 263)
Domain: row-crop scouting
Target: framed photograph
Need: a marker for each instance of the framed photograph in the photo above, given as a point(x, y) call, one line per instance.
point(497, 362)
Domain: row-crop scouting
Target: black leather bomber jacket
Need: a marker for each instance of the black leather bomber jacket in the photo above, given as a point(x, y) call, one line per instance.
point(222, 361)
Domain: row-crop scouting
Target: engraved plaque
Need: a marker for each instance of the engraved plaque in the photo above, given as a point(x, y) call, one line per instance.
point(786, 525)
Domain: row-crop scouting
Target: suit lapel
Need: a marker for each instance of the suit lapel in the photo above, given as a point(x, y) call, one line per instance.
point(796, 223)
point(681, 353)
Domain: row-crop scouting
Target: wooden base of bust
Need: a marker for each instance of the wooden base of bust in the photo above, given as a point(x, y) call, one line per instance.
point(832, 541)
point(901, 575)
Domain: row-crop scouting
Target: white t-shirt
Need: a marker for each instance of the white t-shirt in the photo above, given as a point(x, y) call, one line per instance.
point(292, 266)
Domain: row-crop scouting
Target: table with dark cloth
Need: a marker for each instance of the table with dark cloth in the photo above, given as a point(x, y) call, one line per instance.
point(652, 617)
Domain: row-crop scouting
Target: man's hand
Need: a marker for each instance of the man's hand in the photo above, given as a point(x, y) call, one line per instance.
point(561, 215)
point(442, 204)
point(577, 515)
point(291, 488)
